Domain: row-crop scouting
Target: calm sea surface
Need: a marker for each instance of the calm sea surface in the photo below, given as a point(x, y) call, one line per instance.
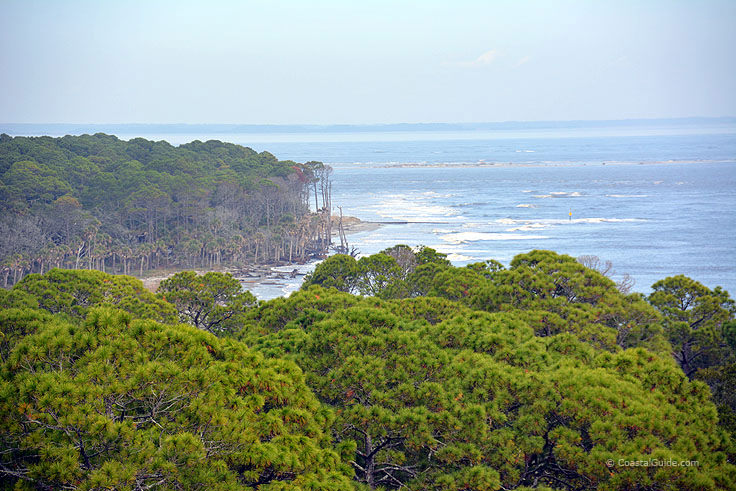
point(656, 200)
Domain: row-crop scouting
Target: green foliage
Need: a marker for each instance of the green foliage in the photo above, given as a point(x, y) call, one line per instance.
point(536, 376)
point(16, 298)
point(213, 301)
point(427, 255)
point(339, 271)
point(75, 292)
point(697, 322)
point(545, 275)
point(553, 293)
point(300, 310)
point(16, 324)
point(379, 275)
point(475, 400)
point(722, 382)
point(34, 182)
point(459, 284)
point(118, 403)
point(487, 268)
point(397, 272)
point(429, 309)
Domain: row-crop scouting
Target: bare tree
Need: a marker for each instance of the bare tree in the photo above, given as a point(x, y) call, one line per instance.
point(624, 285)
point(594, 262)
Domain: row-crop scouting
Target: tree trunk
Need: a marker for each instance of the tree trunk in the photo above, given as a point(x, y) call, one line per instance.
point(79, 255)
point(370, 464)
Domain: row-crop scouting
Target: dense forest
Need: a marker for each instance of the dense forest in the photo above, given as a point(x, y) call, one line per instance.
point(392, 371)
point(97, 202)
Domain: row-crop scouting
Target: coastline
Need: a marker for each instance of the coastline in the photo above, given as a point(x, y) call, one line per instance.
point(266, 277)
point(251, 276)
point(353, 225)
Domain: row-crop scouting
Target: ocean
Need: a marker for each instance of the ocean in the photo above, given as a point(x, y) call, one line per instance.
point(656, 198)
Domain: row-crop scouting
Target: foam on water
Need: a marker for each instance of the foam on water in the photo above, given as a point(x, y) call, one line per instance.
point(464, 237)
point(547, 222)
point(528, 227)
point(559, 194)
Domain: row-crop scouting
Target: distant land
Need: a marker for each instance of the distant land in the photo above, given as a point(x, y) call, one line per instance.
point(56, 129)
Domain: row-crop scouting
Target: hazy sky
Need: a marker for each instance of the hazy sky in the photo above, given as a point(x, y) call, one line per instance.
point(311, 61)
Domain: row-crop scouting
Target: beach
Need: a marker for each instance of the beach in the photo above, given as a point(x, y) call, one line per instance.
point(267, 281)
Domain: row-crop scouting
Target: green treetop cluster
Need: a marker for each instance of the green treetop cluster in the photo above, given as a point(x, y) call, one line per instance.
point(119, 402)
point(394, 371)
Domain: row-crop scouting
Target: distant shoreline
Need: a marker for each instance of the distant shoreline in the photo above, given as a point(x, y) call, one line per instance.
point(194, 128)
point(539, 164)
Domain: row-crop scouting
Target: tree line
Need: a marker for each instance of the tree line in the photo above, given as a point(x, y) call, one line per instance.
point(392, 371)
point(97, 202)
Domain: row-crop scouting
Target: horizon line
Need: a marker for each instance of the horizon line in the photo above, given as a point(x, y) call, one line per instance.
point(183, 127)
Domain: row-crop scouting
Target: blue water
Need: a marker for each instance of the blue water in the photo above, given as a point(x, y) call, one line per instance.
point(656, 199)
point(655, 205)
point(651, 221)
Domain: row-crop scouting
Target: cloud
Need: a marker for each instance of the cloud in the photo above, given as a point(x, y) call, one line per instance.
point(485, 59)
point(522, 61)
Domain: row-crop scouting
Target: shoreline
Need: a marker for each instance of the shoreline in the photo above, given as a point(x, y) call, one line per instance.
point(353, 225)
point(259, 275)
point(255, 275)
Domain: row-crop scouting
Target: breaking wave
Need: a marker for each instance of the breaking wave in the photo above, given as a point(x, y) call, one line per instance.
point(464, 237)
point(559, 194)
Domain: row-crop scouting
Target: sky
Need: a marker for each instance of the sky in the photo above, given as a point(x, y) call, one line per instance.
point(363, 62)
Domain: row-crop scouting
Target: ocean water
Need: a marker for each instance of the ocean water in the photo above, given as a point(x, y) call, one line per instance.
point(655, 198)
point(654, 203)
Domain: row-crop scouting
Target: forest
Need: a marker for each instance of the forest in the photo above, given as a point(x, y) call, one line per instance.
point(98, 202)
point(391, 371)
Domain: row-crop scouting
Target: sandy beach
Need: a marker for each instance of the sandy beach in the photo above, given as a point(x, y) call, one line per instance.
point(353, 225)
